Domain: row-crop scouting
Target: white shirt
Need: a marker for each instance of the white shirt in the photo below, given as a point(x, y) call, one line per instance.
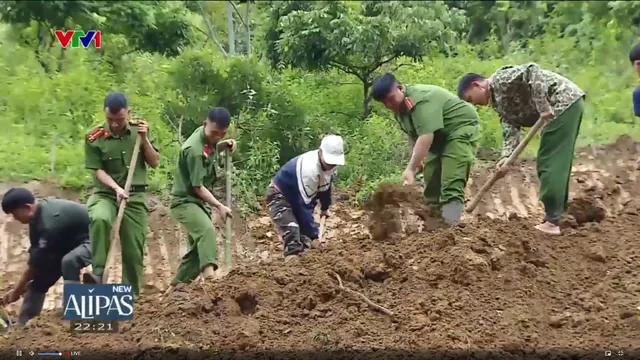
point(311, 178)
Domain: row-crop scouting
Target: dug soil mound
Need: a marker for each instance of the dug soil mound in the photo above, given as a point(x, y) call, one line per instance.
point(485, 285)
point(397, 210)
point(492, 282)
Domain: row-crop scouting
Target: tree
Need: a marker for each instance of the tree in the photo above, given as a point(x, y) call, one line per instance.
point(231, 31)
point(360, 38)
point(509, 20)
point(275, 11)
point(479, 14)
point(154, 26)
point(247, 19)
point(244, 26)
point(48, 16)
point(211, 30)
point(225, 19)
point(518, 20)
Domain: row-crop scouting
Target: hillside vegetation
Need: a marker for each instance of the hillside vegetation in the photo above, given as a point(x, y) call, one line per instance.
point(289, 72)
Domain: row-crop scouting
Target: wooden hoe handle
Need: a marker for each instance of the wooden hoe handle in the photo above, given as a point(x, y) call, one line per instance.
point(496, 176)
point(115, 230)
point(227, 248)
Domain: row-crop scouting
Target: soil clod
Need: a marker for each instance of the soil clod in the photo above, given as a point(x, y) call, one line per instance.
point(391, 276)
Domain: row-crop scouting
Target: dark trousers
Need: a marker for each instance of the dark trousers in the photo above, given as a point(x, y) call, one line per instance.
point(67, 266)
point(285, 220)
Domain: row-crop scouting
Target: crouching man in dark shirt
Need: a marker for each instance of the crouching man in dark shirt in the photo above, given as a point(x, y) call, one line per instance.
point(60, 246)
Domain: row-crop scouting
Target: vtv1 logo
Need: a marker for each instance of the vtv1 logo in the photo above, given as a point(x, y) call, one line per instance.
point(104, 302)
point(78, 38)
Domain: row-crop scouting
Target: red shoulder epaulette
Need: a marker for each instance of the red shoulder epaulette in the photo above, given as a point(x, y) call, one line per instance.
point(409, 103)
point(96, 134)
point(206, 151)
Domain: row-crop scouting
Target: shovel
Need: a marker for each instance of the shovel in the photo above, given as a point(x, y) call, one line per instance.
point(497, 175)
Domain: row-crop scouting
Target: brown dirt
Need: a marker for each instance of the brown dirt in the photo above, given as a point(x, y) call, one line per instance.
point(493, 282)
point(397, 210)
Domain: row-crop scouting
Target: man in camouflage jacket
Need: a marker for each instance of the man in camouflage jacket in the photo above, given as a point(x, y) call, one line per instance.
point(521, 94)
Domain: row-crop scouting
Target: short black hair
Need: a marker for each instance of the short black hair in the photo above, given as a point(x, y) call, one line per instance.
point(382, 86)
point(116, 101)
point(219, 116)
point(634, 54)
point(16, 198)
point(465, 82)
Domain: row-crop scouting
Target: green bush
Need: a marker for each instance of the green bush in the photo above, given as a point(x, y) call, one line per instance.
point(277, 115)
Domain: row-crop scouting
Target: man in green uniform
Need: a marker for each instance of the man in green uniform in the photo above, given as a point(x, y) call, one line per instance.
point(441, 128)
point(191, 198)
point(108, 151)
point(521, 94)
point(60, 246)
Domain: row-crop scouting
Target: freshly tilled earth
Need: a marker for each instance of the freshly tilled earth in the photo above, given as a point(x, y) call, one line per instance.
point(493, 282)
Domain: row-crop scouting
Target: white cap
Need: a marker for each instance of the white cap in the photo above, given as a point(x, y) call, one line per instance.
point(332, 148)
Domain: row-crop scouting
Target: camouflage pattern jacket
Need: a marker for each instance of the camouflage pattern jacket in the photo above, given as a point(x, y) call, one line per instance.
point(520, 93)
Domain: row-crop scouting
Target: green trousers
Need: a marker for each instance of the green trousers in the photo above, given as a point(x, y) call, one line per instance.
point(202, 241)
point(103, 210)
point(446, 172)
point(554, 160)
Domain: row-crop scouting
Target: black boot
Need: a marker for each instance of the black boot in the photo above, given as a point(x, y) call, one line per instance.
point(293, 249)
point(306, 242)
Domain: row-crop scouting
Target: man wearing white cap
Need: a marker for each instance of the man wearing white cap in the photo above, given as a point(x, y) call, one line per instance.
point(295, 190)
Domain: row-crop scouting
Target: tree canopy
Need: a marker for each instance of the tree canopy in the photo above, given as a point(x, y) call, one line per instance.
point(360, 39)
point(289, 72)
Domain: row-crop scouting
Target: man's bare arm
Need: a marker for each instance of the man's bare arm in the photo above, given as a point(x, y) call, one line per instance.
point(510, 137)
point(207, 196)
point(420, 152)
point(412, 143)
point(151, 156)
point(107, 180)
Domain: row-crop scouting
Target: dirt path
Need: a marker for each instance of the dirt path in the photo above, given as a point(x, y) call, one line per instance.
point(492, 283)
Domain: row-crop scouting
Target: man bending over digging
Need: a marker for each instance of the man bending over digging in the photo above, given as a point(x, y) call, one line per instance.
point(60, 247)
point(521, 94)
point(441, 129)
point(295, 190)
point(192, 200)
